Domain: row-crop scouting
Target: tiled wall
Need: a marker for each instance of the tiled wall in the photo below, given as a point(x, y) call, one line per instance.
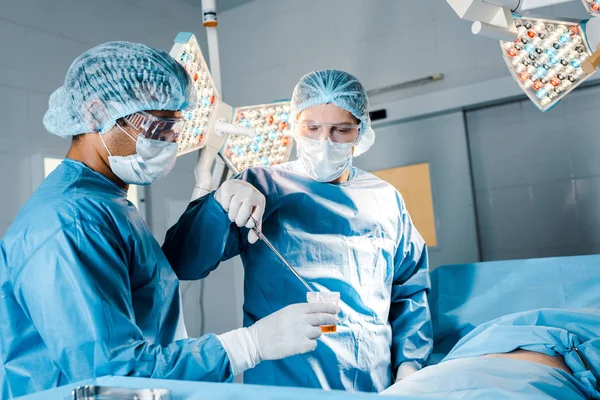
point(537, 177)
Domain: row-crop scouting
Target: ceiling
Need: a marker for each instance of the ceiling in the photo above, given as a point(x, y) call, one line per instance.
point(222, 5)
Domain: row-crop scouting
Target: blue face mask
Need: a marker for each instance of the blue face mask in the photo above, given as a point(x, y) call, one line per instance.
point(154, 160)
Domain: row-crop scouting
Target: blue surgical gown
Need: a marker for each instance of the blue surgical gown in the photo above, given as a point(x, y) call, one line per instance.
point(355, 238)
point(86, 292)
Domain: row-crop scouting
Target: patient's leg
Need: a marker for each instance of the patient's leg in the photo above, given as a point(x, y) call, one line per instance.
point(552, 361)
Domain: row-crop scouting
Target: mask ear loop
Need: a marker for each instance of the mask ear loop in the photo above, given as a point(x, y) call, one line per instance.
point(104, 143)
point(127, 133)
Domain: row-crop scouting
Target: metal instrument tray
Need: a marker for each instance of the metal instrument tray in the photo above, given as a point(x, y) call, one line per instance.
point(91, 392)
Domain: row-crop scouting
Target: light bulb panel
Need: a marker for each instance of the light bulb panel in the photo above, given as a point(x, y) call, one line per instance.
point(196, 132)
point(592, 7)
point(272, 143)
point(546, 59)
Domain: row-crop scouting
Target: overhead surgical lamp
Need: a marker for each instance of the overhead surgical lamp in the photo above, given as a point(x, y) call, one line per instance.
point(592, 7)
point(548, 58)
point(272, 143)
point(494, 18)
point(255, 135)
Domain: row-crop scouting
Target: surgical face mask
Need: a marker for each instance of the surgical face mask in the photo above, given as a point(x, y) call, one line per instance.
point(154, 160)
point(323, 160)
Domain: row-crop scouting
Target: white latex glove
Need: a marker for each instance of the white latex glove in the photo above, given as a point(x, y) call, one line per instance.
point(405, 369)
point(241, 200)
point(292, 330)
point(287, 332)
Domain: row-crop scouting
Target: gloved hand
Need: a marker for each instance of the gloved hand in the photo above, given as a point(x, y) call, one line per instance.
point(292, 330)
point(405, 369)
point(287, 332)
point(241, 201)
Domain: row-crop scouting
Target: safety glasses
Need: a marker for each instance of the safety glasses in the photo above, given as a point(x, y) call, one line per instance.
point(156, 128)
point(337, 133)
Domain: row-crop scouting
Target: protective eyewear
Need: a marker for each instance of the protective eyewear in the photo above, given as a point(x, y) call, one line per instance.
point(337, 133)
point(156, 128)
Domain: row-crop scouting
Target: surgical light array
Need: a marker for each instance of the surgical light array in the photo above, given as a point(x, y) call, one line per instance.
point(198, 118)
point(592, 6)
point(271, 145)
point(259, 135)
point(546, 59)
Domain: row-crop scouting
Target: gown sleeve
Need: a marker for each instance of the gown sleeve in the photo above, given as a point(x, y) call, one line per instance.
point(410, 317)
point(201, 239)
point(75, 288)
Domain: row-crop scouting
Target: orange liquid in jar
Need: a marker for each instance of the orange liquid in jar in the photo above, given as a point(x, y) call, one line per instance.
point(329, 328)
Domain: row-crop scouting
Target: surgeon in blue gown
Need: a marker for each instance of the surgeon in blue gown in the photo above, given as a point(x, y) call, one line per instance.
point(86, 290)
point(345, 231)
